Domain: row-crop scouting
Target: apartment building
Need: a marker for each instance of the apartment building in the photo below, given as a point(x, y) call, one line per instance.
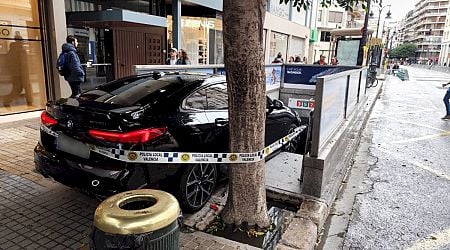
point(425, 27)
point(444, 56)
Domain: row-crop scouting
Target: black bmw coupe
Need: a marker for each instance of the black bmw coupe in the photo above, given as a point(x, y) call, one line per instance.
point(173, 112)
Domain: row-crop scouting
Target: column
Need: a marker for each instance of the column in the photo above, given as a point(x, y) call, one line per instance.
point(176, 23)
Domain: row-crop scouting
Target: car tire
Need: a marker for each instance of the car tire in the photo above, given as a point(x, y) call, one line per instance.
point(293, 145)
point(197, 184)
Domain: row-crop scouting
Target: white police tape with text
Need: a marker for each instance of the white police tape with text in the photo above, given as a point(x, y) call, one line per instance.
point(184, 157)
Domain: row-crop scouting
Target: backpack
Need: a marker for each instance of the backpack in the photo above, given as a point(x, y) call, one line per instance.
point(62, 65)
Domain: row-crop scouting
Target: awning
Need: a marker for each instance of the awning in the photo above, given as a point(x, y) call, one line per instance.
point(349, 32)
point(114, 18)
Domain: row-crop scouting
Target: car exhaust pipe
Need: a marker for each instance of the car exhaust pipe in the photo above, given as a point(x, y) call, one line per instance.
point(95, 183)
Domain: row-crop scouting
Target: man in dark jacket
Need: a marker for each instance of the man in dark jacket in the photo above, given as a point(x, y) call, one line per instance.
point(75, 75)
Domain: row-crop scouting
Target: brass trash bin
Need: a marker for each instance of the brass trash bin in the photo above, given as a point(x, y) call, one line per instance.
point(138, 219)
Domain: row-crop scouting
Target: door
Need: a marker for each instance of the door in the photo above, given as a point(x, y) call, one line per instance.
point(153, 50)
point(129, 50)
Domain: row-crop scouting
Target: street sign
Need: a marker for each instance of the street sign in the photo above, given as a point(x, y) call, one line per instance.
point(301, 103)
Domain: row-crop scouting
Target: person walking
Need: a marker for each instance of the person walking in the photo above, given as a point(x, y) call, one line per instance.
point(74, 73)
point(183, 58)
point(173, 59)
point(446, 102)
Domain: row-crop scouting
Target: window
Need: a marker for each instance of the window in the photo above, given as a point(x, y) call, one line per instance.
point(214, 97)
point(325, 36)
point(217, 97)
point(197, 100)
point(319, 16)
point(335, 17)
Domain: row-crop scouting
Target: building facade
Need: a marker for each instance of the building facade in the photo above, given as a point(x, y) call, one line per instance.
point(328, 19)
point(425, 27)
point(117, 34)
point(444, 56)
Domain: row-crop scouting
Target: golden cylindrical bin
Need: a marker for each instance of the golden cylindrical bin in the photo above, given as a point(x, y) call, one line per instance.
point(138, 219)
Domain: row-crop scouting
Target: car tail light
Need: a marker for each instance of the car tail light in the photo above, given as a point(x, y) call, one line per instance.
point(138, 136)
point(47, 120)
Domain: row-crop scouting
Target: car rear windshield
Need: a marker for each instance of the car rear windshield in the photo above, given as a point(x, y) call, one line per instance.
point(135, 91)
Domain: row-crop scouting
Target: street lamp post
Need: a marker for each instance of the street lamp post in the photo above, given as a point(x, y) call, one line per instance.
point(388, 15)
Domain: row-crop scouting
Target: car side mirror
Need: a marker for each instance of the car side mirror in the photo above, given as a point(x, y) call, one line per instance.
point(277, 104)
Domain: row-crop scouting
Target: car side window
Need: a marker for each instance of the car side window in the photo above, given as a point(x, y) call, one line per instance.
point(197, 100)
point(217, 97)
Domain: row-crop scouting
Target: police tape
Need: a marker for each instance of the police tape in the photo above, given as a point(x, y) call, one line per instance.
point(133, 156)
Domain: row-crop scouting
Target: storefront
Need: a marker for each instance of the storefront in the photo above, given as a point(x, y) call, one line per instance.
point(22, 80)
point(278, 44)
point(201, 38)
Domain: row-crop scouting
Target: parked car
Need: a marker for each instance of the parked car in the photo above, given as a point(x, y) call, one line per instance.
point(176, 112)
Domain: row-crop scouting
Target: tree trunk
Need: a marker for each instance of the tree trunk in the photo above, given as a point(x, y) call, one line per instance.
point(244, 64)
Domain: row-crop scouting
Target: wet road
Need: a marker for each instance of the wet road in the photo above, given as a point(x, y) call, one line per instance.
point(404, 199)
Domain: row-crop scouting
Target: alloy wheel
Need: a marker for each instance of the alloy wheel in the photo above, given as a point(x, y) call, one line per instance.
point(200, 184)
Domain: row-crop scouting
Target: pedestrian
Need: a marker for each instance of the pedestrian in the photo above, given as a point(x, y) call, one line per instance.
point(321, 60)
point(298, 59)
point(446, 102)
point(334, 61)
point(278, 59)
point(183, 58)
point(74, 73)
point(172, 60)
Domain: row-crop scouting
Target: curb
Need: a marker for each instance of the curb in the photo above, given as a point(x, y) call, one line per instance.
point(303, 231)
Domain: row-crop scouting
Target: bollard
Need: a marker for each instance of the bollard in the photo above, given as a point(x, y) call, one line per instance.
point(138, 219)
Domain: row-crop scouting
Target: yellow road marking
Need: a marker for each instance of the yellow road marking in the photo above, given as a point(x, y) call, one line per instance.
point(422, 138)
point(420, 165)
point(432, 241)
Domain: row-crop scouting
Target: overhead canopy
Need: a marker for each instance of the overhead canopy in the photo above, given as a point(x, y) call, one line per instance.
point(349, 32)
point(114, 18)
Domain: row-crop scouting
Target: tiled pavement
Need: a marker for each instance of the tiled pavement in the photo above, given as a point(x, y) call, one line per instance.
point(37, 213)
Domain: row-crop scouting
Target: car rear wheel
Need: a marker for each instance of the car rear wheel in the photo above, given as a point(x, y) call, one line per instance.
point(197, 185)
point(292, 146)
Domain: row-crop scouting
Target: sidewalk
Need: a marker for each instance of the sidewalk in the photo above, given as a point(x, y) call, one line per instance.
point(37, 213)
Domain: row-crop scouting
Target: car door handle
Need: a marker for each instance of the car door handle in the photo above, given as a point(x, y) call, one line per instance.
point(220, 122)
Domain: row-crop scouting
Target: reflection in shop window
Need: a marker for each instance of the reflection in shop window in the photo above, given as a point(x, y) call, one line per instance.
point(278, 44)
point(22, 84)
point(201, 37)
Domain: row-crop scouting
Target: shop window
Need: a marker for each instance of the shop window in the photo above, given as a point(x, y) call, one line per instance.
point(22, 82)
point(201, 38)
point(278, 44)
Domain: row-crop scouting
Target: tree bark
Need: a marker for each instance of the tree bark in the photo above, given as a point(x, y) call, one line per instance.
point(244, 64)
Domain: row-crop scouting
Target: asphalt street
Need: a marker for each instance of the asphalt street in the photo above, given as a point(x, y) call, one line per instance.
point(397, 195)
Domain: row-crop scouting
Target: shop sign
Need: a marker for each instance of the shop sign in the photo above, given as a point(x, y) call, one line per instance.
point(301, 103)
point(197, 23)
point(78, 32)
